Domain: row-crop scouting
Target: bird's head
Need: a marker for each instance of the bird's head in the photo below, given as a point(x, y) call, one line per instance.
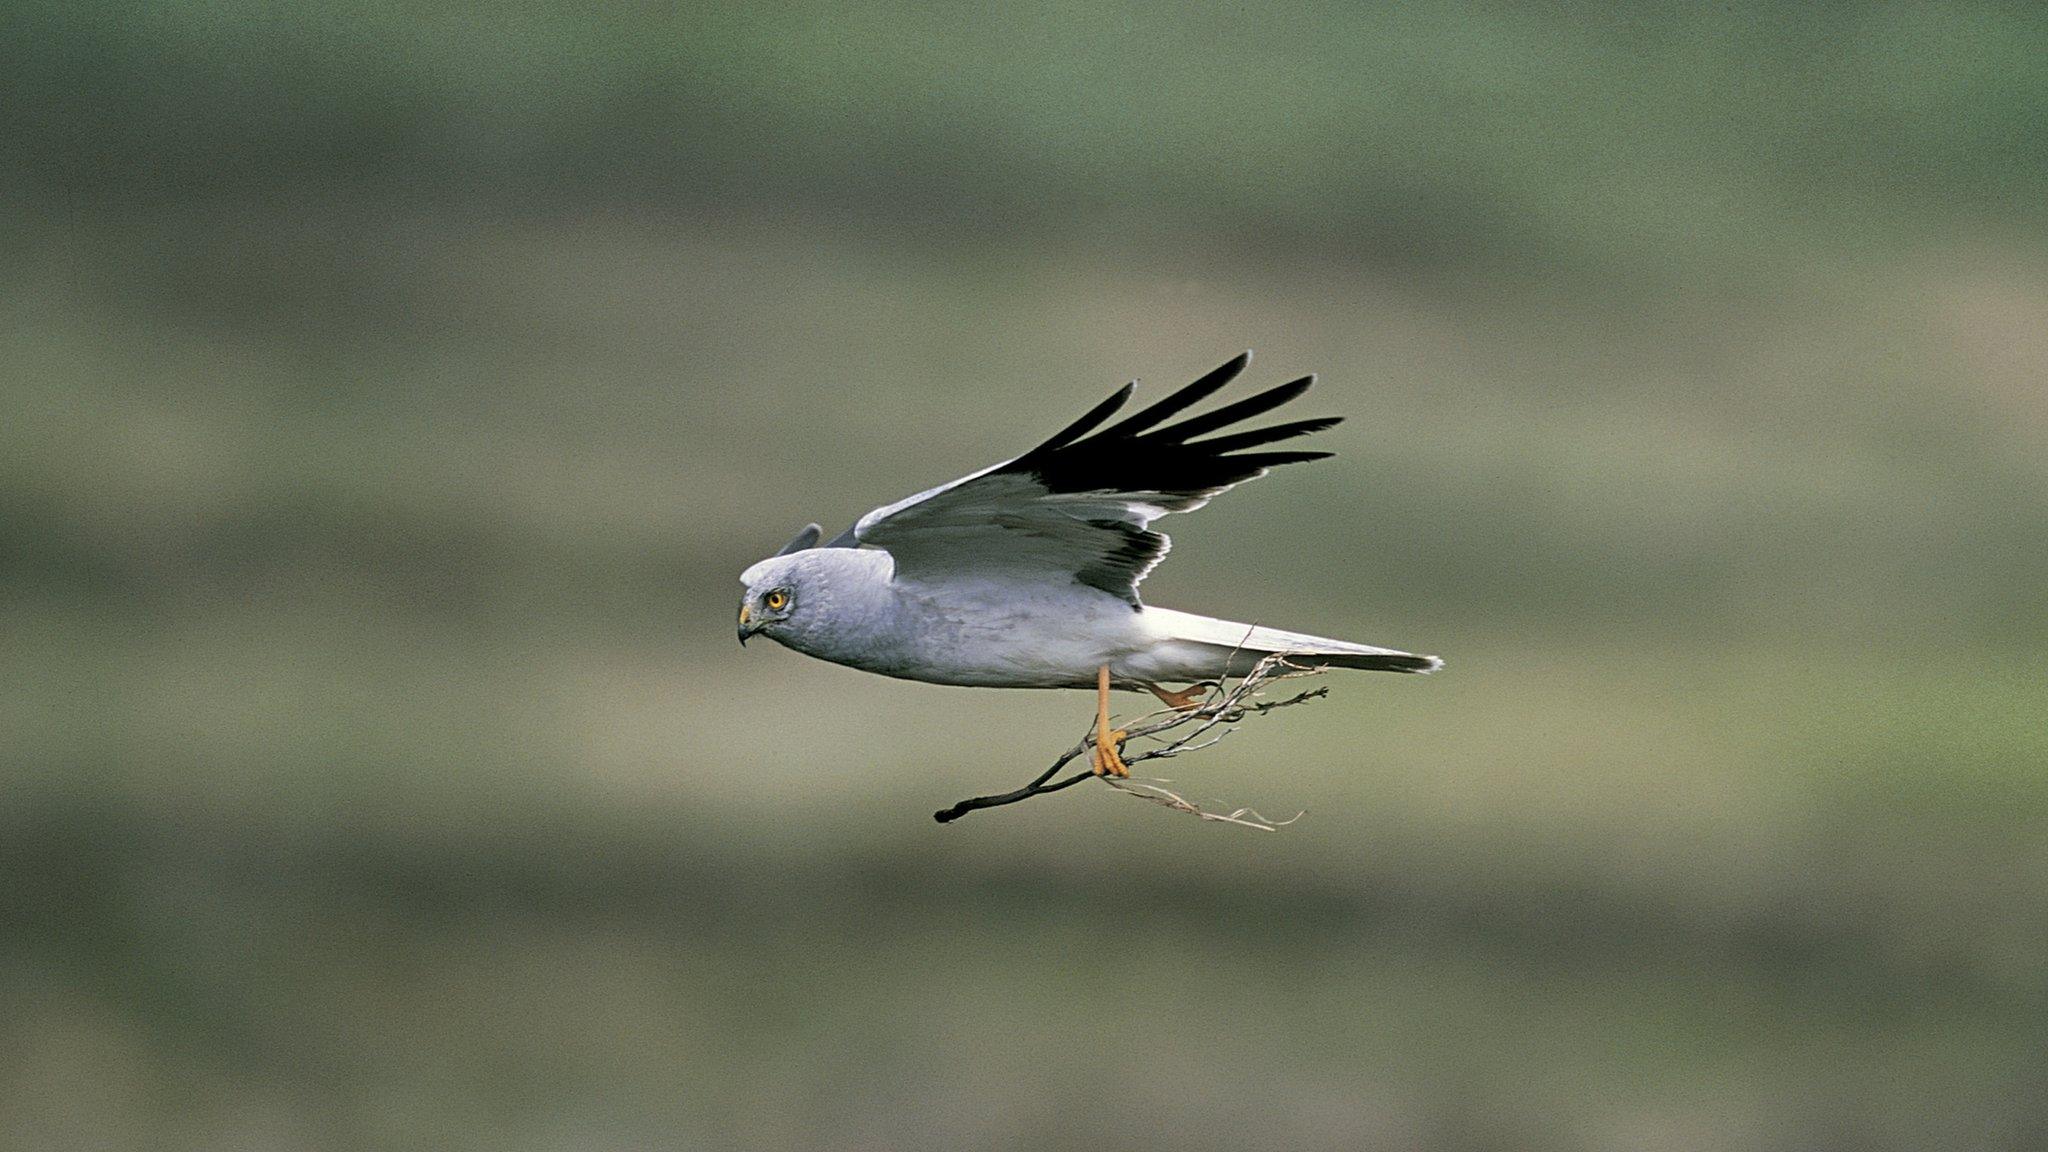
point(774, 594)
point(775, 587)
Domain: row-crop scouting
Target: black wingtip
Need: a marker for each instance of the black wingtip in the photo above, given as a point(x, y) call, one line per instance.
point(1183, 398)
point(1237, 441)
point(1276, 459)
point(1245, 409)
point(1146, 452)
point(1081, 427)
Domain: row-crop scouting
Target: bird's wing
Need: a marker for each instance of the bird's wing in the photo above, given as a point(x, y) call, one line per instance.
point(1079, 507)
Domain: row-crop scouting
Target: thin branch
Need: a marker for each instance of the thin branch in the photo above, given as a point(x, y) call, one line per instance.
point(1037, 787)
point(1197, 728)
point(1152, 791)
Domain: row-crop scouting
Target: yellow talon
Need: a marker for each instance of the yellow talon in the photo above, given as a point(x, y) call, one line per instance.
point(1107, 760)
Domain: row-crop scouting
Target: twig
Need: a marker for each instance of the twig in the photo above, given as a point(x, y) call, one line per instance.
point(1247, 817)
point(1216, 717)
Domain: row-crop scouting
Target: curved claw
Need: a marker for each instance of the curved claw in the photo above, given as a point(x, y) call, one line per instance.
point(1108, 756)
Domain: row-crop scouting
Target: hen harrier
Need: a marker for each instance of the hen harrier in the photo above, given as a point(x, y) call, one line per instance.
point(1025, 574)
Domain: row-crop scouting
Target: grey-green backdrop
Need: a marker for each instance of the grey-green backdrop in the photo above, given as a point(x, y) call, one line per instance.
point(391, 393)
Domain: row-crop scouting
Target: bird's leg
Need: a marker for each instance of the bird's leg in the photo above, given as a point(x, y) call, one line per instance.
point(1186, 701)
point(1107, 761)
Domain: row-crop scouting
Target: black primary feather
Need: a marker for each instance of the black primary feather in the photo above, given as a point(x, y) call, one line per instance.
point(1096, 415)
point(1138, 455)
point(1258, 436)
point(1184, 399)
point(1244, 409)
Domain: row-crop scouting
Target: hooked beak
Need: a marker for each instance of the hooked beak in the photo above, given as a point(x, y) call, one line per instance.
point(745, 631)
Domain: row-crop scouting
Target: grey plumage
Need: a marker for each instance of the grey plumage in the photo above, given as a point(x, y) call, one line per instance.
point(1026, 574)
point(808, 538)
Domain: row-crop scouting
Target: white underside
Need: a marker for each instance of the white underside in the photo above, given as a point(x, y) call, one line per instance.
point(1030, 639)
point(1001, 630)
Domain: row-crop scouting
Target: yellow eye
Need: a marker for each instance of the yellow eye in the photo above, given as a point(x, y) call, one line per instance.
point(775, 600)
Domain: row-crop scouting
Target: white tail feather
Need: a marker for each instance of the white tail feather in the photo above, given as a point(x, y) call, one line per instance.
point(1219, 638)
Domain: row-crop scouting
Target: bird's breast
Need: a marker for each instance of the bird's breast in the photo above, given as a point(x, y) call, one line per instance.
point(1020, 635)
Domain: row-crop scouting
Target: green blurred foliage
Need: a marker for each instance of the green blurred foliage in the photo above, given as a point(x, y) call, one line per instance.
point(393, 393)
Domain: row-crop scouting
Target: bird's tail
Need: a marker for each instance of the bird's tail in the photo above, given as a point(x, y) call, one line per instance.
point(1244, 644)
point(1378, 661)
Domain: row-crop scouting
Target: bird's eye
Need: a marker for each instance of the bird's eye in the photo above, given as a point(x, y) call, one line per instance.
point(775, 600)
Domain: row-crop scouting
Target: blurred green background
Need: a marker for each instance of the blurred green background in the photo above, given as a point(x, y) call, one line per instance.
point(393, 392)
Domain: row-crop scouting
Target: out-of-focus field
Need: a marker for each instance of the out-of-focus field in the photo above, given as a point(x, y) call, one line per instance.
point(380, 771)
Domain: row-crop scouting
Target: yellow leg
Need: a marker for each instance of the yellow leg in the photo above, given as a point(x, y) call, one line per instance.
point(1107, 761)
point(1186, 701)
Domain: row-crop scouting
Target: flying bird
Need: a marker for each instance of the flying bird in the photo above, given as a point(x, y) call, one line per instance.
point(1025, 574)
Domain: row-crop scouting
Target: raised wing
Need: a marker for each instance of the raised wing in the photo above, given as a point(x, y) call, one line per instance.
point(1079, 506)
